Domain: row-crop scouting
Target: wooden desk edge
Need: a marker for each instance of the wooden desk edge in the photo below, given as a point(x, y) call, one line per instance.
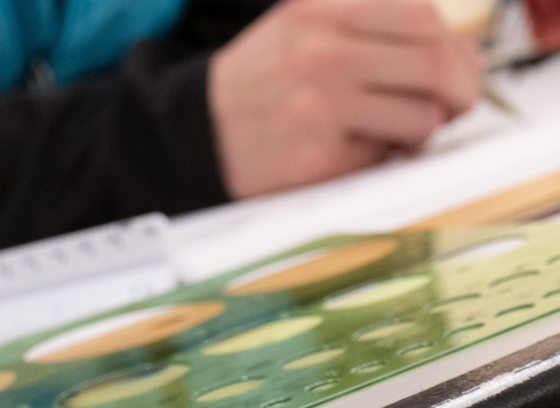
point(527, 202)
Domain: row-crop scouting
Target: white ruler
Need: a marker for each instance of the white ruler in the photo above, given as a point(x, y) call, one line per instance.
point(58, 280)
point(82, 255)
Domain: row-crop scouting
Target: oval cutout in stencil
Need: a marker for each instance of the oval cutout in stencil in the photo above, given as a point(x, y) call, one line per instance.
point(316, 267)
point(416, 349)
point(313, 359)
point(122, 332)
point(376, 292)
point(230, 391)
point(515, 309)
point(275, 403)
point(7, 379)
point(484, 250)
point(368, 368)
point(513, 276)
point(553, 260)
point(443, 304)
point(551, 293)
point(125, 387)
point(383, 330)
point(264, 335)
point(321, 386)
point(463, 329)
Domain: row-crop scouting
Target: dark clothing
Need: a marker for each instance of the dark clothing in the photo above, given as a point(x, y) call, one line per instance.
point(121, 144)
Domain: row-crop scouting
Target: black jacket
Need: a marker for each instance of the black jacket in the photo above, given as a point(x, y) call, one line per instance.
point(122, 143)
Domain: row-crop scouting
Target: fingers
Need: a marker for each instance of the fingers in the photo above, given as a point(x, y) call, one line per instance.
point(411, 20)
point(392, 118)
point(360, 152)
point(437, 72)
point(289, 95)
point(447, 70)
point(349, 154)
point(463, 75)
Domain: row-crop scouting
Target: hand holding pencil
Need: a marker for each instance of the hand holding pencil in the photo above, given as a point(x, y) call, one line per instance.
point(319, 88)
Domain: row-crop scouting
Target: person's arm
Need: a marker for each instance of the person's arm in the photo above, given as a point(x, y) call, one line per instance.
point(130, 144)
point(135, 141)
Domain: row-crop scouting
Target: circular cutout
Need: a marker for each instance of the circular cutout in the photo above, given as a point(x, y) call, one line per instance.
point(305, 270)
point(484, 250)
point(264, 335)
point(7, 379)
point(230, 391)
point(134, 386)
point(122, 333)
point(377, 292)
point(383, 331)
point(314, 359)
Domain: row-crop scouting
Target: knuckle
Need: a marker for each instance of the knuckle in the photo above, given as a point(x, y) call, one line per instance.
point(315, 53)
point(424, 15)
point(423, 19)
point(423, 9)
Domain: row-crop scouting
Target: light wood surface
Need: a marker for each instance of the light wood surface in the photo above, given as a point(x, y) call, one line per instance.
point(143, 333)
point(528, 202)
point(6, 379)
point(330, 265)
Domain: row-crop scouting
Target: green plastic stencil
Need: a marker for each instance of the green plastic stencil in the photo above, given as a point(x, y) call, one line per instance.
point(299, 329)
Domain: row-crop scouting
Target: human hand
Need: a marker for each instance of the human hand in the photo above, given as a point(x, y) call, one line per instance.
point(318, 88)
